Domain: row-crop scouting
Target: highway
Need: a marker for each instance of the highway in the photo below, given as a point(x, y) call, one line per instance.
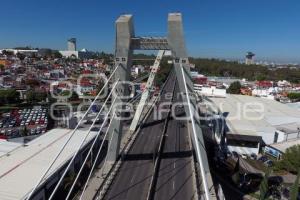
point(175, 176)
point(134, 177)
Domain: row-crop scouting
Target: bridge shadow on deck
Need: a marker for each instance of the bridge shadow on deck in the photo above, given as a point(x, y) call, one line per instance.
point(153, 123)
point(151, 156)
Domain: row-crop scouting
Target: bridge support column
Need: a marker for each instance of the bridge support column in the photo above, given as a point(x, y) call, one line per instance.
point(180, 60)
point(123, 58)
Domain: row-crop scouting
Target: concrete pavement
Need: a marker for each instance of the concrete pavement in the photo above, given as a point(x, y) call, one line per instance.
point(133, 179)
point(175, 176)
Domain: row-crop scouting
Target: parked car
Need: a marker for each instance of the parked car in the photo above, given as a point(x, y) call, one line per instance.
point(263, 158)
point(244, 156)
point(96, 129)
point(235, 154)
point(269, 163)
point(253, 156)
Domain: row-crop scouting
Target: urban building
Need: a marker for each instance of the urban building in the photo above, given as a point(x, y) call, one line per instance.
point(72, 51)
point(72, 44)
point(257, 120)
point(249, 58)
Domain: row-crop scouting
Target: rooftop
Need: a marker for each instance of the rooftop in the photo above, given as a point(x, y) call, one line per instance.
point(247, 115)
point(6, 147)
point(284, 145)
point(23, 166)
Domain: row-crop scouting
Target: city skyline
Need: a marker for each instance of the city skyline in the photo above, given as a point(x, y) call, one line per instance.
point(212, 29)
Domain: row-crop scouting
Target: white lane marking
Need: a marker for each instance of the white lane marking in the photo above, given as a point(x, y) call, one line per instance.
point(132, 178)
point(173, 185)
point(174, 165)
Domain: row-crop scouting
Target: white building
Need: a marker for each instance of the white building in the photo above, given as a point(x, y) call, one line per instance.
point(68, 54)
point(15, 51)
point(273, 121)
point(77, 54)
point(211, 91)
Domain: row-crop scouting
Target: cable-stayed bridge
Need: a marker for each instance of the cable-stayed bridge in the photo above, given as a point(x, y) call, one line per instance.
point(162, 153)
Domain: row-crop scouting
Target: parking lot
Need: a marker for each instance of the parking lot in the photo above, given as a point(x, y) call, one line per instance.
point(25, 122)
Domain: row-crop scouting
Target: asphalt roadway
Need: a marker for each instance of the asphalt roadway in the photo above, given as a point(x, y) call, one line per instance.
point(175, 176)
point(134, 177)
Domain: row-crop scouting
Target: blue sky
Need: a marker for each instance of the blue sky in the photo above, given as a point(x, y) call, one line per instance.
point(213, 28)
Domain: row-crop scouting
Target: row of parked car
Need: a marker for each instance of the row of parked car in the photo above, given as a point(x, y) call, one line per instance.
point(24, 122)
point(264, 159)
point(24, 117)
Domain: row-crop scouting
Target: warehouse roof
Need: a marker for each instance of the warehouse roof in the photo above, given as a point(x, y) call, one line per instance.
point(257, 116)
point(6, 147)
point(22, 167)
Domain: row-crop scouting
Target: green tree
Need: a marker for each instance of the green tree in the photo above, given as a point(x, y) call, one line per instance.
point(56, 54)
point(9, 96)
point(215, 67)
point(294, 96)
point(163, 72)
point(20, 56)
point(30, 96)
point(234, 88)
point(260, 77)
point(295, 187)
point(7, 53)
point(2, 67)
point(35, 96)
point(263, 188)
point(291, 160)
point(74, 96)
point(24, 131)
point(41, 96)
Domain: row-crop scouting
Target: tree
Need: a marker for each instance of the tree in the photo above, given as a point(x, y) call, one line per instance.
point(234, 88)
point(24, 132)
point(9, 96)
point(56, 54)
point(2, 67)
point(32, 82)
point(215, 67)
point(30, 96)
point(295, 187)
point(100, 86)
point(291, 160)
point(74, 96)
point(20, 56)
point(260, 77)
point(7, 53)
point(40, 96)
point(163, 72)
point(263, 188)
point(35, 96)
point(294, 96)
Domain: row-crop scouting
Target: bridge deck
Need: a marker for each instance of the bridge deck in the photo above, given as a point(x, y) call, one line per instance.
point(175, 176)
point(133, 179)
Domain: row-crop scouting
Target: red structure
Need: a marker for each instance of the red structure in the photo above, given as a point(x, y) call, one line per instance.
point(201, 80)
point(264, 84)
